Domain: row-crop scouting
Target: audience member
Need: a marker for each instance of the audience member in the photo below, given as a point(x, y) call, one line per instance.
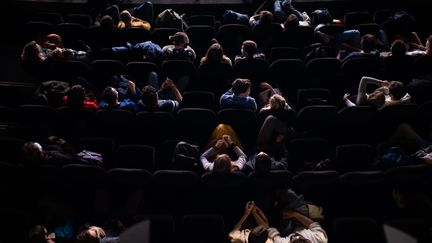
point(389, 93)
point(300, 227)
point(257, 234)
point(222, 162)
point(368, 49)
point(180, 49)
point(238, 96)
point(215, 54)
point(79, 97)
point(110, 100)
point(150, 98)
point(127, 21)
point(249, 49)
point(398, 65)
point(262, 163)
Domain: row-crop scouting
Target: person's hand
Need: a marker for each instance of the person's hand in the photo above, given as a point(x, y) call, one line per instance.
point(97, 231)
point(345, 96)
point(170, 83)
point(227, 139)
point(249, 207)
point(220, 143)
point(385, 83)
point(132, 87)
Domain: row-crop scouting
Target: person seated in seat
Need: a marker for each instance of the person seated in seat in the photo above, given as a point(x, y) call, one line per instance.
point(150, 100)
point(223, 145)
point(180, 49)
point(262, 163)
point(215, 54)
point(238, 96)
point(249, 49)
point(389, 93)
point(110, 100)
point(257, 234)
point(127, 20)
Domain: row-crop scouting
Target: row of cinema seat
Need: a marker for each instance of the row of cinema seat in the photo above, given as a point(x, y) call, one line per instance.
point(356, 124)
point(356, 193)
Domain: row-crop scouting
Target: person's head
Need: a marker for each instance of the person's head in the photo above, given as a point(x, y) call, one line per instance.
point(241, 86)
point(249, 48)
point(53, 41)
point(149, 96)
point(368, 43)
point(258, 234)
point(222, 164)
point(266, 17)
point(278, 102)
point(89, 234)
point(37, 234)
point(110, 96)
point(398, 48)
point(292, 21)
point(126, 17)
point(31, 152)
point(397, 90)
point(297, 238)
point(376, 98)
point(215, 53)
point(262, 163)
point(106, 22)
point(76, 96)
point(180, 39)
point(429, 45)
point(32, 52)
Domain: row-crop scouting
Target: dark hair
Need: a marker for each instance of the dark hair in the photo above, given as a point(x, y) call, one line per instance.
point(76, 96)
point(291, 21)
point(397, 90)
point(149, 96)
point(110, 95)
point(84, 236)
point(180, 38)
point(250, 47)
point(125, 16)
point(262, 163)
point(266, 17)
point(37, 234)
point(368, 42)
point(258, 234)
point(398, 48)
point(222, 164)
point(214, 53)
point(106, 22)
point(240, 86)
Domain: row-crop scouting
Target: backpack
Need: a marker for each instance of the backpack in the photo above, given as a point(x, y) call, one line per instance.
point(392, 157)
point(319, 50)
point(186, 157)
point(50, 93)
point(170, 19)
point(89, 157)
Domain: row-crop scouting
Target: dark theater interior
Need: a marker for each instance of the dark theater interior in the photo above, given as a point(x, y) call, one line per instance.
point(216, 121)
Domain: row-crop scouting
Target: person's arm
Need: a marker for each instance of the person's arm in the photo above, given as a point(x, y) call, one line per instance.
point(174, 89)
point(248, 209)
point(362, 88)
point(241, 160)
point(347, 101)
point(207, 165)
point(305, 221)
point(260, 217)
